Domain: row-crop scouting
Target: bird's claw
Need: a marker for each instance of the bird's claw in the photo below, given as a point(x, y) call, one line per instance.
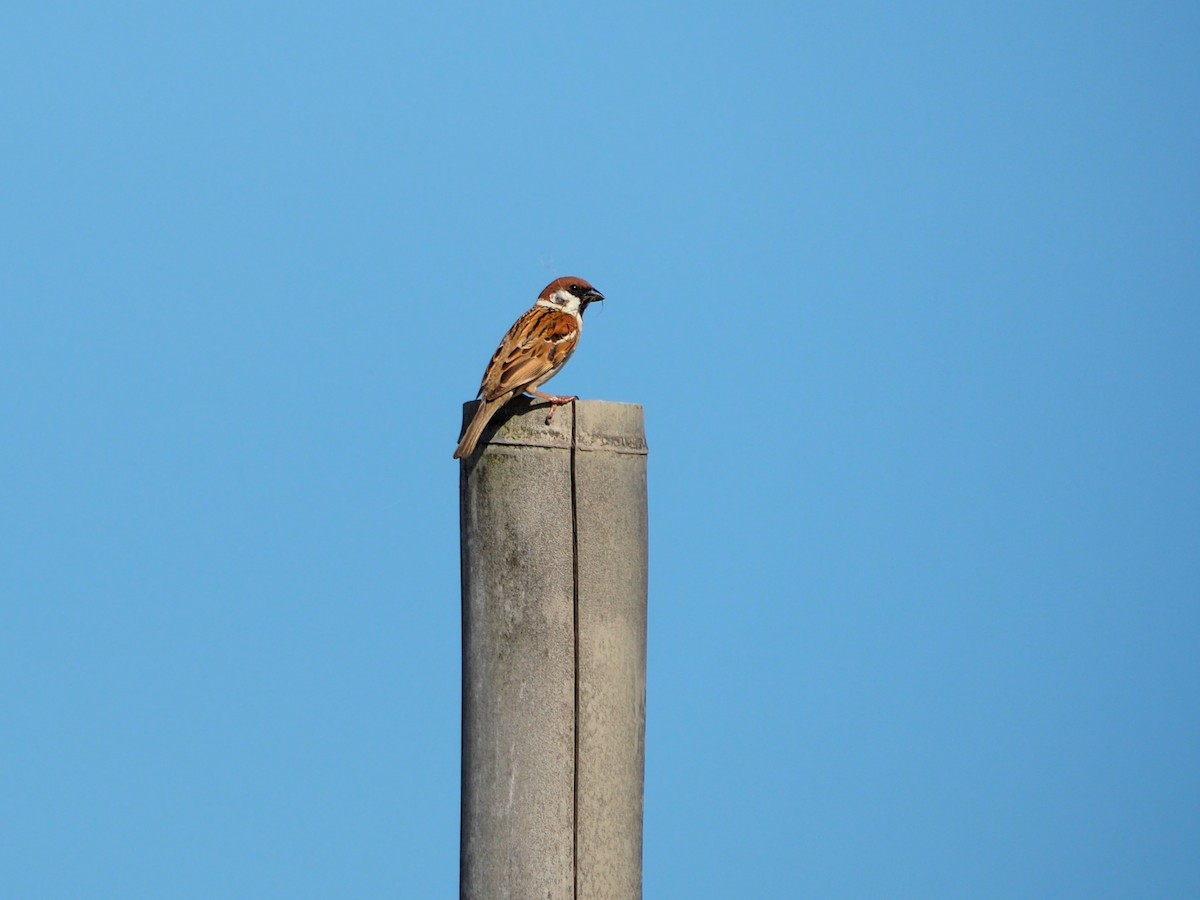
point(555, 403)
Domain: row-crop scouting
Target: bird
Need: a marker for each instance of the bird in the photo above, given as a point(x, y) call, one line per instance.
point(532, 352)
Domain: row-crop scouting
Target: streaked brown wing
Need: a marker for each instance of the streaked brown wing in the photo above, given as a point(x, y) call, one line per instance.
point(538, 343)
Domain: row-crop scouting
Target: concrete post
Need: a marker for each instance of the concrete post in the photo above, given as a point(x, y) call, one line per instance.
point(554, 557)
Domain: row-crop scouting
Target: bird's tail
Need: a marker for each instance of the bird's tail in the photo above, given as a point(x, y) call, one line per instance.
point(483, 415)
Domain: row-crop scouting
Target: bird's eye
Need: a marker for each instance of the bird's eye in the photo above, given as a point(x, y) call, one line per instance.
point(576, 289)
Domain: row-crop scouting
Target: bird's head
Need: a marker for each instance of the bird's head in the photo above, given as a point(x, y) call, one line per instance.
point(569, 293)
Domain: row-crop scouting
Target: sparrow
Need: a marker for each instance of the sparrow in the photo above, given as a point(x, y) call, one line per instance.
point(536, 347)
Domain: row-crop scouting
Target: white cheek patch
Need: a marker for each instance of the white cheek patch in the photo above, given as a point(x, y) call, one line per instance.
point(564, 300)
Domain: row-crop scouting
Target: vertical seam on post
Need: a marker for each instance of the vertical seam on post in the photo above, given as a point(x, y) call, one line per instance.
point(575, 627)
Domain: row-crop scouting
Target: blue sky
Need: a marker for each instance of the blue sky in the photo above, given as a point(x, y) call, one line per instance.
point(909, 293)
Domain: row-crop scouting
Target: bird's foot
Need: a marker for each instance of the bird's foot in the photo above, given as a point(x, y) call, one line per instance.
point(554, 401)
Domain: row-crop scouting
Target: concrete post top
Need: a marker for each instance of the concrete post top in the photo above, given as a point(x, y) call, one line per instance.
point(585, 424)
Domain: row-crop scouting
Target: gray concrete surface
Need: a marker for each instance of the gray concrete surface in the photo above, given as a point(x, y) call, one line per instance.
point(554, 563)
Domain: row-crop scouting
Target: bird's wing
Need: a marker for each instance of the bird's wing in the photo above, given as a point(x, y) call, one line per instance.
point(535, 347)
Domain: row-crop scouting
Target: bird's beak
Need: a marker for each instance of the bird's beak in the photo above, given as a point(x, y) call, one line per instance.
point(593, 295)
